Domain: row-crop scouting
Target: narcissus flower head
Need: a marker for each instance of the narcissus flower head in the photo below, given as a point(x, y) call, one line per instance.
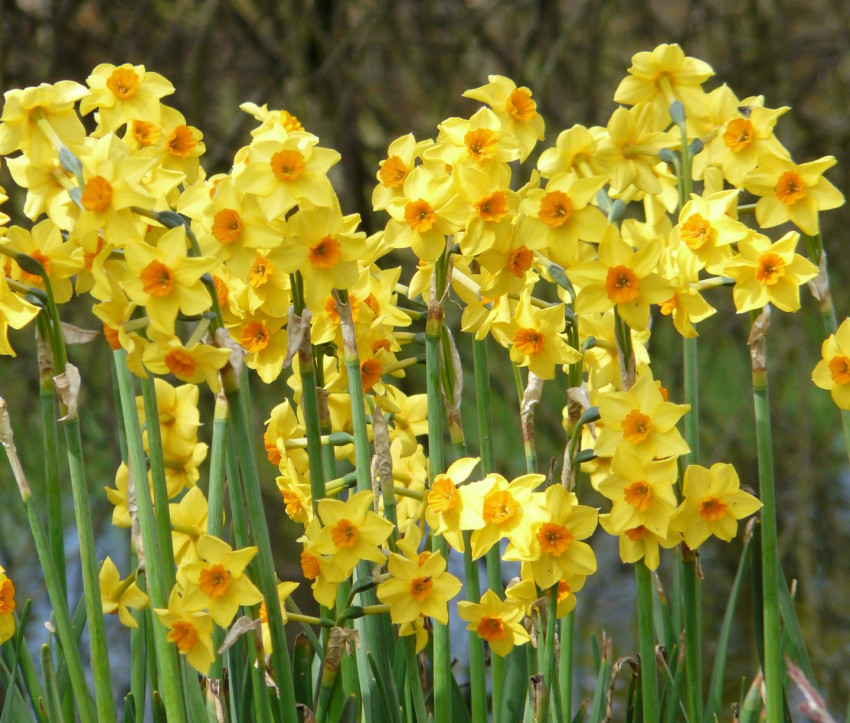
point(496, 621)
point(713, 504)
point(833, 370)
point(190, 630)
point(120, 596)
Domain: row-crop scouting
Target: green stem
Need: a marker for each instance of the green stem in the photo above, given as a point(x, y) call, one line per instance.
point(160, 487)
point(433, 333)
point(166, 653)
point(215, 498)
point(549, 657)
point(477, 674)
point(265, 569)
point(774, 705)
point(693, 639)
point(47, 398)
point(565, 665)
point(374, 630)
point(648, 667)
point(488, 464)
point(62, 619)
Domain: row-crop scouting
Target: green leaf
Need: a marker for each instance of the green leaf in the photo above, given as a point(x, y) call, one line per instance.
point(514, 683)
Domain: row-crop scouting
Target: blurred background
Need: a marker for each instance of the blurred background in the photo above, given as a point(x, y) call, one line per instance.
point(359, 73)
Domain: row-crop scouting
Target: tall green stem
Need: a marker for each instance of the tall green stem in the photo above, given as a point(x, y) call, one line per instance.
point(648, 667)
point(374, 629)
point(166, 653)
point(770, 562)
point(433, 333)
point(267, 578)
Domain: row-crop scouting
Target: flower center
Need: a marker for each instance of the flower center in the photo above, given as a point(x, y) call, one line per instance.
point(145, 134)
point(695, 231)
point(370, 372)
point(180, 363)
point(344, 534)
point(181, 142)
point(291, 503)
point(556, 207)
point(326, 253)
point(124, 82)
point(520, 106)
point(255, 336)
point(670, 306)
point(790, 188)
point(443, 496)
point(309, 565)
point(157, 279)
point(564, 591)
point(529, 341)
point(839, 369)
point(738, 135)
point(554, 539)
point(261, 271)
point(519, 261)
point(214, 581)
point(622, 285)
point(770, 269)
point(636, 427)
point(493, 207)
point(227, 226)
point(499, 508)
point(44, 260)
point(184, 635)
point(288, 165)
point(712, 509)
point(393, 172)
point(7, 597)
point(481, 144)
point(97, 194)
point(419, 215)
point(638, 495)
point(491, 629)
point(420, 588)
point(636, 534)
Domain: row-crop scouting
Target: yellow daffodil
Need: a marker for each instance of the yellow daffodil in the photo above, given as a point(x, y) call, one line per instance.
point(641, 490)
point(188, 524)
point(7, 607)
point(766, 272)
point(25, 112)
point(449, 508)
point(190, 630)
point(195, 364)
point(640, 419)
point(562, 215)
point(640, 543)
point(15, 312)
point(165, 280)
point(629, 150)
point(496, 621)
point(509, 509)
point(478, 141)
point(429, 210)
point(515, 109)
point(663, 76)
point(557, 550)
point(833, 370)
point(217, 581)
point(286, 169)
point(713, 504)
point(324, 571)
point(351, 531)
point(707, 230)
point(791, 192)
point(120, 596)
point(395, 168)
point(623, 278)
point(418, 585)
point(124, 93)
point(294, 486)
point(686, 306)
point(536, 339)
point(575, 150)
point(61, 259)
